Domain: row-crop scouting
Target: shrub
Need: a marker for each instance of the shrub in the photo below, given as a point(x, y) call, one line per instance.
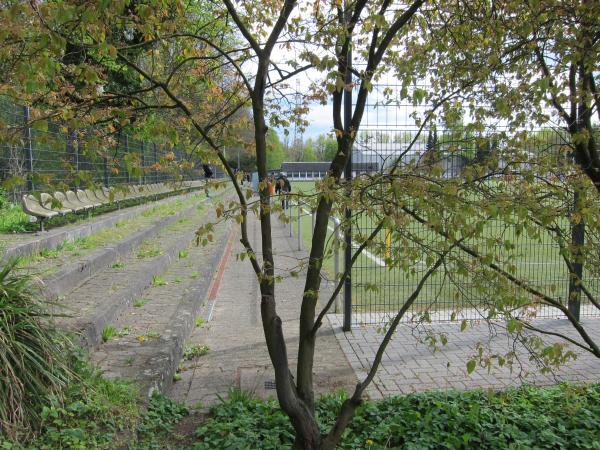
point(34, 361)
point(96, 413)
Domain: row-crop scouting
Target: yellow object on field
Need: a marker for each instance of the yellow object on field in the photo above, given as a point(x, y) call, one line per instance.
point(388, 242)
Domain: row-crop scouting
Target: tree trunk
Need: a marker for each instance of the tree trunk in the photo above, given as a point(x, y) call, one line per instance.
point(308, 435)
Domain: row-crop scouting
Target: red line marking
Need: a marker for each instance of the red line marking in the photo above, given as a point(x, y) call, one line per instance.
point(216, 281)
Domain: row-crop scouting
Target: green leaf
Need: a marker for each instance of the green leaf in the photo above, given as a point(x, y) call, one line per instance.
point(471, 366)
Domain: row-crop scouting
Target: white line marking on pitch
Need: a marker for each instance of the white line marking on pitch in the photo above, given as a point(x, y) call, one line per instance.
point(377, 260)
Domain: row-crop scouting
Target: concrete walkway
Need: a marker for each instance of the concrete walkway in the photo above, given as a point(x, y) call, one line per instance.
point(237, 355)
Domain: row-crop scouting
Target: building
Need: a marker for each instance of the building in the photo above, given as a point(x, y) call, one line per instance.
point(375, 157)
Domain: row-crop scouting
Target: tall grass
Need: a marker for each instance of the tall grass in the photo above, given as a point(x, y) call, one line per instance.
point(34, 357)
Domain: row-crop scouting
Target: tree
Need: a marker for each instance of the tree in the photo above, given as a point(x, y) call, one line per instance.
point(275, 152)
point(325, 147)
point(524, 63)
point(227, 61)
point(309, 151)
point(296, 396)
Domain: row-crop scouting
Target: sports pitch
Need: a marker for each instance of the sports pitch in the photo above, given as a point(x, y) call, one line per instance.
point(378, 288)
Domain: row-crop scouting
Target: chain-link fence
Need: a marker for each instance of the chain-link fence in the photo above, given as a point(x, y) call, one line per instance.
point(517, 241)
point(37, 155)
point(463, 287)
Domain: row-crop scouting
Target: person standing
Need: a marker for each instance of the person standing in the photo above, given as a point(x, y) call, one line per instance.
point(271, 189)
point(283, 188)
point(208, 174)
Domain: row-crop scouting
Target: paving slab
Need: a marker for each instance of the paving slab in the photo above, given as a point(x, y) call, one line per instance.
point(411, 365)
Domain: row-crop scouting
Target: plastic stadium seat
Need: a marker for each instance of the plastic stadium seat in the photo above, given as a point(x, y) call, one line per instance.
point(32, 206)
point(93, 197)
point(61, 197)
point(102, 195)
point(74, 200)
point(83, 198)
point(47, 200)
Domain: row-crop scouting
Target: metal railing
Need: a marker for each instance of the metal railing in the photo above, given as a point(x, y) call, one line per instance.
point(302, 211)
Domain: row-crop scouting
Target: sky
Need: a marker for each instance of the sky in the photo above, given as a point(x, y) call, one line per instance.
point(389, 117)
point(377, 116)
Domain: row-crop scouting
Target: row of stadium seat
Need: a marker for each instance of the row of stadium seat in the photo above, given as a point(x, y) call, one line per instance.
point(46, 206)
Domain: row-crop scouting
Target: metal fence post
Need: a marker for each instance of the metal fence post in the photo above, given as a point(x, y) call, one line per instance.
point(336, 260)
point(155, 164)
point(289, 213)
point(299, 216)
point(28, 148)
point(72, 154)
point(126, 153)
point(576, 276)
point(143, 161)
point(105, 168)
point(347, 325)
point(75, 150)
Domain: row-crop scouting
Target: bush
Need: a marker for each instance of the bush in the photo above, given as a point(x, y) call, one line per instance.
point(51, 398)
point(34, 365)
point(559, 417)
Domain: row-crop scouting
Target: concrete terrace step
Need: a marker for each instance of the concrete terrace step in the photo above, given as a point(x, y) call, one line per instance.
point(75, 273)
point(150, 336)
point(89, 308)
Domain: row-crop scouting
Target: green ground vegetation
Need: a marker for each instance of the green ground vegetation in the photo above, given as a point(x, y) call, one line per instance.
point(560, 417)
point(33, 363)
point(194, 351)
point(63, 403)
point(12, 217)
point(51, 397)
point(100, 414)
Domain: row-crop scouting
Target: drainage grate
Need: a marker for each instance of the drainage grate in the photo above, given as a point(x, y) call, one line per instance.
point(269, 385)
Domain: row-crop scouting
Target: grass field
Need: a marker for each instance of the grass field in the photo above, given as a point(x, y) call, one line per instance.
point(381, 289)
